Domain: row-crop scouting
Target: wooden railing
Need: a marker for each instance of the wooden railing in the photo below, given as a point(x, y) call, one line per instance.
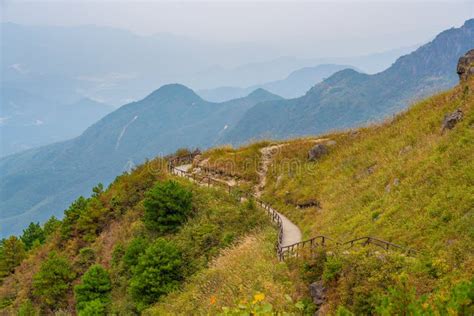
point(364, 241)
point(296, 249)
point(308, 245)
point(180, 160)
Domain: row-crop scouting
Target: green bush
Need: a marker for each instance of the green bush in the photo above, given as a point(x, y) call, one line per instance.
point(159, 271)
point(332, 268)
point(86, 258)
point(167, 206)
point(93, 308)
point(95, 287)
point(53, 281)
point(27, 309)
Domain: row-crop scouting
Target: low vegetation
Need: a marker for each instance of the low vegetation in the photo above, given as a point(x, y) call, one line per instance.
point(406, 181)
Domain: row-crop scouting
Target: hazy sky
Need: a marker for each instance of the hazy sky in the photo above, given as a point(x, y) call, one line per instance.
point(305, 29)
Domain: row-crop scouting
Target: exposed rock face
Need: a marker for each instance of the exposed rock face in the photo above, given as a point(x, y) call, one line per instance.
point(450, 120)
point(317, 152)
point(317, 292)
point(465, 67)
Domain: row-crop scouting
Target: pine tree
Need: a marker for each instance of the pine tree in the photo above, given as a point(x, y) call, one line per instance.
point(32, 235)
point(95, 287)
point(159, 271)
point(167, 206)
point(52, 283)
point(12, 252)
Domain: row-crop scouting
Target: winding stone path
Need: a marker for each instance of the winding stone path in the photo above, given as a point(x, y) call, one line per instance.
point(291, 232)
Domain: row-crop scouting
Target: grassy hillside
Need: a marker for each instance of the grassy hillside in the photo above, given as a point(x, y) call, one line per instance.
point(126, 247)
point(404, 181)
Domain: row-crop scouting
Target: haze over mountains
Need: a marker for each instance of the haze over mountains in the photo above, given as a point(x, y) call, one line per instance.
point(349, 98)
point(73, 64)
point(294, 85)
point(41, 182)
point(28, 120)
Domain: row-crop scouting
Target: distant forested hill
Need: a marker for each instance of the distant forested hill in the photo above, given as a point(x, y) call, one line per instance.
point(41, 182)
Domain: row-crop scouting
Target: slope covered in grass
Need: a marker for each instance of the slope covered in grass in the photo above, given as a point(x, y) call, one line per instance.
point(404, 181)
point(233, 280)
point(145, 236)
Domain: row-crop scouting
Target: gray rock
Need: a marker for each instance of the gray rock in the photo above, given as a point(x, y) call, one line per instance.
point(317, 152)
point(371, 169)
point(309, 203)
point(331, 142)
point(395, 183)
point(465, 67)
point(317, 292)
point(450, 120)
point(405, 150)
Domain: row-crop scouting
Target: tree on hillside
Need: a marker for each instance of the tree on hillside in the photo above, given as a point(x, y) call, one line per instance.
point(95, 287)
point(51, 225)
point(53, 281)
point(158, 272)
point(72, 214)
point(32, 235)
point(12, 252)
point(134, 250)
point(167, 205)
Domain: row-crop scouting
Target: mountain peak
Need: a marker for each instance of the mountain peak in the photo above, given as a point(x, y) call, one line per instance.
point(174, 90)
point(263, 95)
point(468, 23)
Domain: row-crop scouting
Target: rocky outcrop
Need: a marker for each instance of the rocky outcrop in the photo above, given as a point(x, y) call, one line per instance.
point(465, 67)
point(308, 203)
point(451, 119)
point(317, 152)
point(317, 292)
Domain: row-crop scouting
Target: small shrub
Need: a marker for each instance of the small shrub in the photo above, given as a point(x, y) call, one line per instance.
point(86, 258)
point(332, 268)
point(27, 309)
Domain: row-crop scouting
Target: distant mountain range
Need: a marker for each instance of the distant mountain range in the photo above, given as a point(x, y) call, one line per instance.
point(42, 182)
point(28, 120)
point(294, 85)
point(349, 98)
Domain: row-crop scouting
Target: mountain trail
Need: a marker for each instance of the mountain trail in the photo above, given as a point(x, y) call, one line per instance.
point(291, 232)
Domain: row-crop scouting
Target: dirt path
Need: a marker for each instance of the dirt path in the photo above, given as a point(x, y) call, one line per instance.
point(267, 155)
